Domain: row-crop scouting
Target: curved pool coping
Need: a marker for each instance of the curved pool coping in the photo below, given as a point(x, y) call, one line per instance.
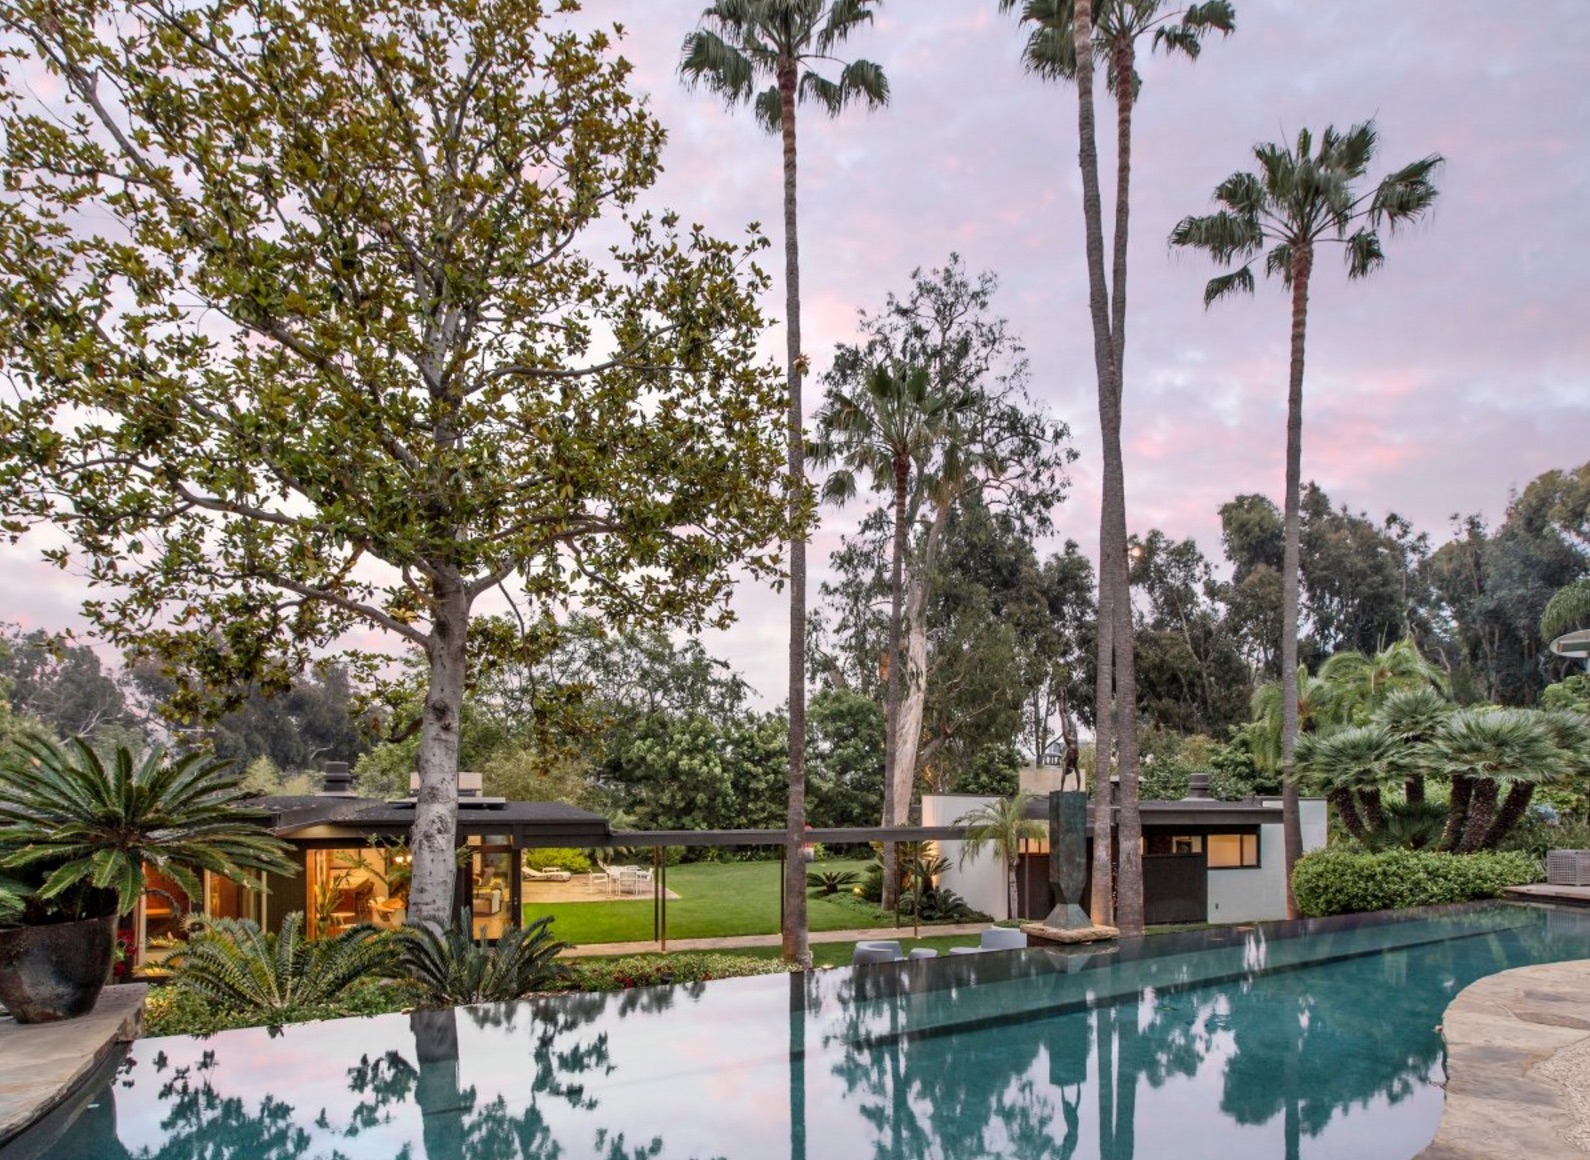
point(1518, 1067)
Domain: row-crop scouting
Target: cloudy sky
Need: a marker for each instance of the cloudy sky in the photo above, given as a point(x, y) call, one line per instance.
point(1455, 374)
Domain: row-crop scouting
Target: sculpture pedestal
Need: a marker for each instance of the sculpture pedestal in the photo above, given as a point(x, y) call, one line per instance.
point(1077, 934)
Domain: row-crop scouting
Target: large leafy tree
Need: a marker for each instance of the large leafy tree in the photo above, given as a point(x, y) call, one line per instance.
point(1299, 200)
point(1064, 36)
point(738, 46)
point(307, 338)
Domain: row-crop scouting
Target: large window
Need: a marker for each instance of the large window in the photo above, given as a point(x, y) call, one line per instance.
point(1233, 851)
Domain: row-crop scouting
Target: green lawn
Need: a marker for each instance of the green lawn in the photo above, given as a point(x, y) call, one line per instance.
point(715, 900)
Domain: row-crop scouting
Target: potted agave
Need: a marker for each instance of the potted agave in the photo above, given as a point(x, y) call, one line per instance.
point(75, 836)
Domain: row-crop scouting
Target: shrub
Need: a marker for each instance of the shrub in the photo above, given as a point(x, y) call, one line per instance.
point(662, 970)
point(577, 861)
point(444, 967)
point(941, 904)
point(1349, 882)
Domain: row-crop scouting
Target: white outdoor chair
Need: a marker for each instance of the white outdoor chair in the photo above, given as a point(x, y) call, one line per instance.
point(387, 917)
point(876, 951)
point(1004, 938)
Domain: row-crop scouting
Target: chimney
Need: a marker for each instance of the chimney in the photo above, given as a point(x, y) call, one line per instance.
point(338, 782)
point(1198, 787)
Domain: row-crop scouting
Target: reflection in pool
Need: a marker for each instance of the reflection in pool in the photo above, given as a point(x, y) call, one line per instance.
point(1283, 1040)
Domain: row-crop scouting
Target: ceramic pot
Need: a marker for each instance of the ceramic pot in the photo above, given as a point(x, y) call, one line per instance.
point(55, 971)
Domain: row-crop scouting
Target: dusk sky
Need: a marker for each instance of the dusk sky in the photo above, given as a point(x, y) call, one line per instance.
point(1456, 373)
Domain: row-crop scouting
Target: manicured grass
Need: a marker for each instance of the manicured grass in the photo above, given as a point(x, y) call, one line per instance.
point(838, 954)
point(715, 900)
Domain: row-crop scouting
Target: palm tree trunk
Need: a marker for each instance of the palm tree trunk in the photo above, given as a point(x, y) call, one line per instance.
point(891, 745)
point(1511, 813)
point(795, 946)
point(1413, 789)
point(1457, 814)
point(1111, 552)
point(1482, 812)
point(1341, 800)
point(1291, 819)
point(1129, 888)
point(1372, 808)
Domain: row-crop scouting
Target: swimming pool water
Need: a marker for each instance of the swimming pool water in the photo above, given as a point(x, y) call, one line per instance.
point(1279, 1040)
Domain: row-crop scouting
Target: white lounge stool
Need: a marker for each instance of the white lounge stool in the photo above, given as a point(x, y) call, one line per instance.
point(1004, 938)
point(876, 951)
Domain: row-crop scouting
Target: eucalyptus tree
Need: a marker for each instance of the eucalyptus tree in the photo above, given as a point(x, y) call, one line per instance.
point(1299, 200)
point(891, 428)
point(1000, 449)
point(306, 338)
point(738, 45)
point(1063, 38)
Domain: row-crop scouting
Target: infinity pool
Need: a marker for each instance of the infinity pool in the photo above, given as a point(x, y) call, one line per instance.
point(1283, 1040)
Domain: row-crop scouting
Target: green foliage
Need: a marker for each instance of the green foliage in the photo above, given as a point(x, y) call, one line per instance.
point(844, 758)
point(1337, 881)
point(58, 682)
point(445, 967)
point(665, 970)
point(829, 882)
point(940, 904)
point(1169, 759)
point(238, 968)
point(577, 861)
point(90, 830)
point(1570, 693)
point(174, 1010)
point(993, 771)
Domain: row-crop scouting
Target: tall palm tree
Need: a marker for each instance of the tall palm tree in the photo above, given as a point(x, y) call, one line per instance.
point(737, 45)
point(1001, 824)
point(1299, 200)
point(892, 429)
point(1063, 37)
point(1360, 684)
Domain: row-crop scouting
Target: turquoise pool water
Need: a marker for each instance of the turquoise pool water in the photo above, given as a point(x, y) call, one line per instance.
point(1280, 1040)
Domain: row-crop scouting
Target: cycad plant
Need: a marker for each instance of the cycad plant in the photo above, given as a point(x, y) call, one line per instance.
point(236, 966)
point(81, 832)
point(1352, 766)
point(1482, 750)
point(1413, 715)
point(446, 967)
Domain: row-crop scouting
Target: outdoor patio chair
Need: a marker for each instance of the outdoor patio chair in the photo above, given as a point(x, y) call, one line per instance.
point(550, 874)
point(918, 953)
point(876, 951)
point(634, 880)
point(1004, 938)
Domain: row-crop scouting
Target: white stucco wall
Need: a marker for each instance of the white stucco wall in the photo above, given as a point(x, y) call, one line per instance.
point(982, 880)
point(1260, 894)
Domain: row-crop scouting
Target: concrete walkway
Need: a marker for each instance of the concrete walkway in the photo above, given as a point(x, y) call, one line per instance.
point(1518, 1067)
point(740, 942)
point(42, 1064)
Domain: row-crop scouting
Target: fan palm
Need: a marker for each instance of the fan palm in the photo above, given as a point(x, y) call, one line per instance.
point(891, 429)
point(739, 44)
point(1001, 825)
point(1298, 200)
point(90, 830)
point(233, 964)
point(1353, 765)
point(1062, 40)
point(1360, 684)
point(1482, 750)
point(1413, 715)
point(1567, 610)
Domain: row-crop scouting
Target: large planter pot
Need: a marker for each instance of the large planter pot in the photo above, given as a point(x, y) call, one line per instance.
point(55, 971)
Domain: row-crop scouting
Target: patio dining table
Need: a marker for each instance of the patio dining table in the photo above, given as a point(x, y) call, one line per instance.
point(618, 877)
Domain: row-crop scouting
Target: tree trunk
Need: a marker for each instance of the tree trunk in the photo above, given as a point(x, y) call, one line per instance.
point(1369, 803)
point(796, 948)
point(1011, 904)
point(1111, 552)
point(1291, 819)
point(1347, 811)
point(1511, 813)
point(1457, 813)
point(913, 697)
point(1482, 812)
point(435, 834)
point(1413, 789)
point(891, 741)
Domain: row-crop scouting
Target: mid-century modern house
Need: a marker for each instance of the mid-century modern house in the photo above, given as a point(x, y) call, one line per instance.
point(354, 861)
point(1204, 860)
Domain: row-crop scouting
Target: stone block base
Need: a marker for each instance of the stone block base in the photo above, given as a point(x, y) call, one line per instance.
point(1038, 932)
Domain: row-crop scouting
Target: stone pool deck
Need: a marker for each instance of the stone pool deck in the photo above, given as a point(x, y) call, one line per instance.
point(1518, 1067)
point(43, 1063)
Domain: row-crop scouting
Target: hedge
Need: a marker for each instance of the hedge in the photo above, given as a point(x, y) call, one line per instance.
point(1350, 882)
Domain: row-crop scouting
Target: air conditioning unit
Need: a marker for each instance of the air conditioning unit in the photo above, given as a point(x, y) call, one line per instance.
point(1568, 867)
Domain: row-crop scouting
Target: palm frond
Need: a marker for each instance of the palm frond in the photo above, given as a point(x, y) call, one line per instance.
point(710, 62)
point(1567, 611)
point(1404, 196)
point(1236, 282)
point(769, 109)
point(844, 17)
point(1364, 255)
